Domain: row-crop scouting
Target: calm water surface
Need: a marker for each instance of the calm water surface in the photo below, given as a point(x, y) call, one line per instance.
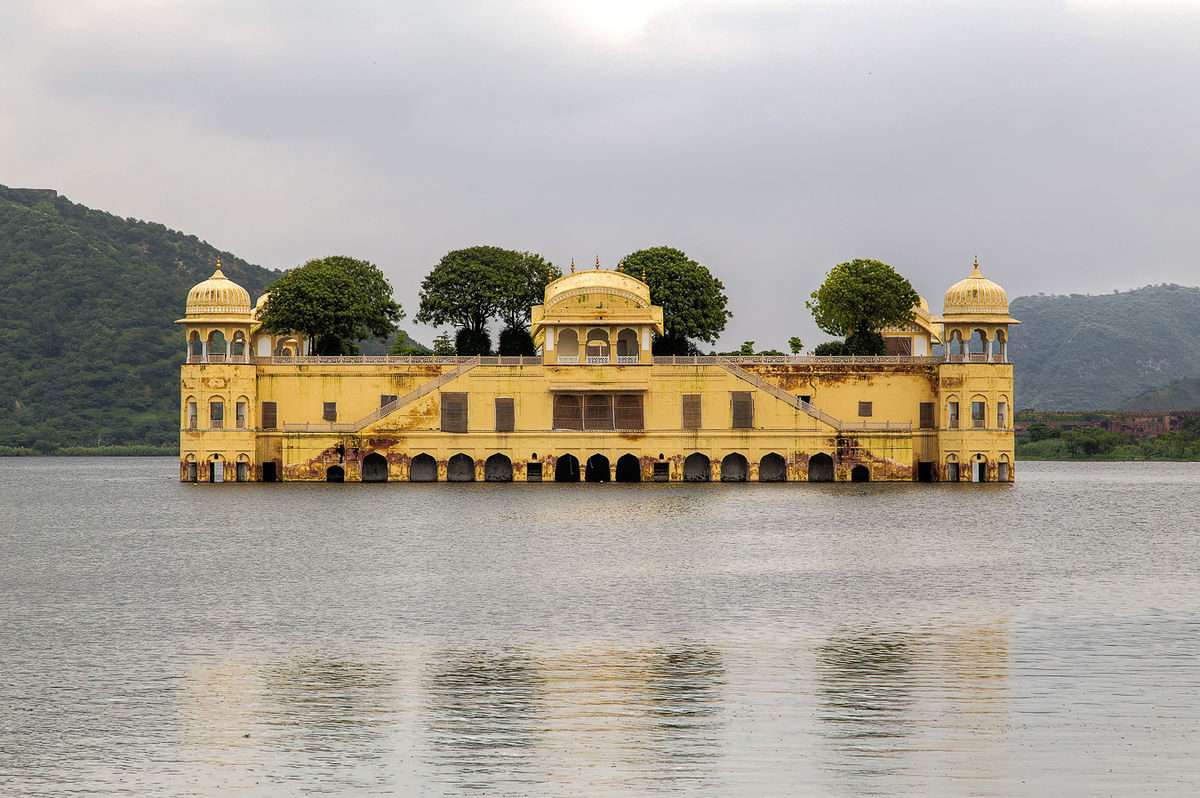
point(840, 640)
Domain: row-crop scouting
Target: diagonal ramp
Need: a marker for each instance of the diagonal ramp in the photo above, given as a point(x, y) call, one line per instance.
point(778, 393)
point(416, 393)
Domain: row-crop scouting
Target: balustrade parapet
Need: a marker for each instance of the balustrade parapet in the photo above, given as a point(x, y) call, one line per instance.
point(394, 360)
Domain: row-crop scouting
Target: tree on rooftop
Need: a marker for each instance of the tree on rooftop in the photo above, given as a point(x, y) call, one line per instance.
point(470, 287)
point(693, 301)
point(860, 298)
point(335, 301)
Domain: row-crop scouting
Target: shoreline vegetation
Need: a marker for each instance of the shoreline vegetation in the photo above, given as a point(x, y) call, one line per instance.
point(128, 450)
point(1107, 437)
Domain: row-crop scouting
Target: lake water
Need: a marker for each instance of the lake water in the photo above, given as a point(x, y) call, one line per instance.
point(1036, 639)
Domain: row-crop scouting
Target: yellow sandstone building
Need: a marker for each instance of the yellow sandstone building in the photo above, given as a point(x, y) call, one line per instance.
point(596, 405)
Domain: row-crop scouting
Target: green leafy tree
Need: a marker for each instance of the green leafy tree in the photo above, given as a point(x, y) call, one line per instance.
point(522, 278)
point(468, 343)
point(693, 301)
point(336, 301)
point(831, 348)
point(860, 298)
point(443, 345)
point(795, 344)
point(470, 287)
point(464, 289)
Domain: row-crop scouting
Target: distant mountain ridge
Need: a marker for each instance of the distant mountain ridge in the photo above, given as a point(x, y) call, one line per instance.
point(1175, 395)
point(1095, 352)
point(89, 353)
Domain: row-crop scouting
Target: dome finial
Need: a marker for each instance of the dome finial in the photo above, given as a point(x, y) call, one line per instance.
point(572, 265)
point(597, 261)
point(218, 274)
point(975, 272)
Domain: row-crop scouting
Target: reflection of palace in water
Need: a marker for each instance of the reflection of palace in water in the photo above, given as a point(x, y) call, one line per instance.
point(595, 404)
point(887, 699)
point(869, 708)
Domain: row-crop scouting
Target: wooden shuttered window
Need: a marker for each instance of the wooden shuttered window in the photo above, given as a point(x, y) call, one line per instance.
point(865, 409)
point(691, 411)
point(568, 412)
point(269, 415)
point(743, 409)
point(454, 412)
point(598, 411)
point(329, 412)
point(926, 415)
point(629, 414)
point(506, 416)
point(897, 346)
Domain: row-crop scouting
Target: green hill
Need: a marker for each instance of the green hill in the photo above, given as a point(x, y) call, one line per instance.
point(1094, 352)
point(89, 353)
point(1175, 395)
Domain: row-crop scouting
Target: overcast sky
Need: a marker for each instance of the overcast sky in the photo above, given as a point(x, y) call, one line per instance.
point(769, 140)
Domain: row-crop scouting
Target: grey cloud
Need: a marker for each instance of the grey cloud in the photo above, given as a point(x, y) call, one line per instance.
point(770, 142)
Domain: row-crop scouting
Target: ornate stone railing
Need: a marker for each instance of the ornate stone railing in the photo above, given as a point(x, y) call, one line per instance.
point(976, 357)
point(628, 360)
point(394, 360)
point(808, 360)
point(211, 359)
point(568, 360)
point(597, 360)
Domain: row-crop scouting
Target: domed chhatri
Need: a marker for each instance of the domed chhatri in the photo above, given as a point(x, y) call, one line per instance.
point(975, 296)
point(218, 296)
point(975, 320)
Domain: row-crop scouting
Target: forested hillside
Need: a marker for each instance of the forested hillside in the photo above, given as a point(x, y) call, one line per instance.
point(1175, 395)
point(89, 355)
point(1095, 352)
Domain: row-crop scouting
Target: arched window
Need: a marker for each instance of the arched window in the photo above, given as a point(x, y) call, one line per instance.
point(192, 411)
point(627, 346)
point(952, 412)
point(216, 414)
point(1002, 419)
point(238, 348)
point(240, 408)
point(954, 344)
point(568, 346)
point(978, 411)
point(597, 346)
point(264, 346)
point(1000, 353)
point(195, 348)
point(216, 343)
point(978, 345)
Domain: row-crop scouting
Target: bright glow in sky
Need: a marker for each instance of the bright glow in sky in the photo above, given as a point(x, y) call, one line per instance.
point(770, 140)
